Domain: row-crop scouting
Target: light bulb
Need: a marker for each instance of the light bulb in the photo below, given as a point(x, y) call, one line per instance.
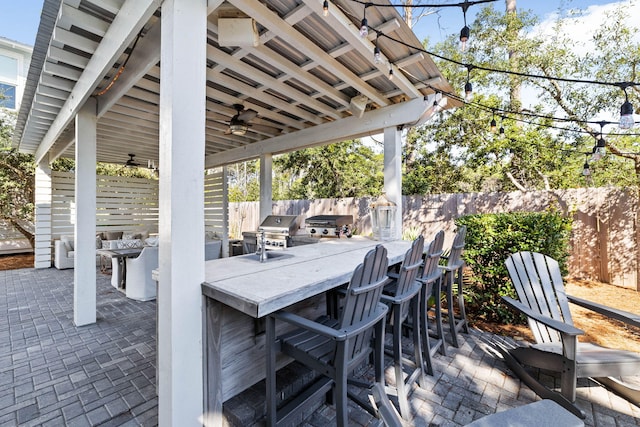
point(364, 28)
point(464, 37)
point(600, 149)
point(586, 171)
point(626, 115)
point(501, 131)
point(390, 75)
point(468, 91)
point(493, 125)
point(377, 57)
point(325, 8)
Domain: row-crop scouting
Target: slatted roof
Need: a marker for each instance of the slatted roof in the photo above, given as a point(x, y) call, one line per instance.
point(303, 74)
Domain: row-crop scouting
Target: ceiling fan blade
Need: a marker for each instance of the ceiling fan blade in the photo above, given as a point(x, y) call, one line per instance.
point(247, 115)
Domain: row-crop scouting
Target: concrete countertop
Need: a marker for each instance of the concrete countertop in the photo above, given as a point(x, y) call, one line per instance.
point(258, 289)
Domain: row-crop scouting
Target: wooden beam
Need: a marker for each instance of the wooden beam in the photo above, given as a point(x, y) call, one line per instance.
point(126, 25)
point(372, 121)
point(145, 56)
point(272, 21)
point(337, 19)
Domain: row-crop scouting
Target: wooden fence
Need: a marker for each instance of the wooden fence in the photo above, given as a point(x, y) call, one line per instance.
point(603, 244)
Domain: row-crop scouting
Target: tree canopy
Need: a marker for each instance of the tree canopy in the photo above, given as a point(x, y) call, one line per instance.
point(534, 151)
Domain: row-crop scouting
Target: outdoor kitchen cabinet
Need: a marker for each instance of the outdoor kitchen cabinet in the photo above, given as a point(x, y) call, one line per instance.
point(240, 290)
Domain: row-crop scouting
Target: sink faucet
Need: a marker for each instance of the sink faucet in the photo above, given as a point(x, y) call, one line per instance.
point(262, 252)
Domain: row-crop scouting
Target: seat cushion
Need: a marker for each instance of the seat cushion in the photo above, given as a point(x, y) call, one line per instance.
point(542, 413)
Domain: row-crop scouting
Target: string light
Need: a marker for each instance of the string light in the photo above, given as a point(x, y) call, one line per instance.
point(377, 57)
point(626, 111)
point(436, 102)
point(464, 33)
point(364, 25)
point(468, 88)
point(586, 171)
point(325, 8)
point(501, 131)
point(390, 75)
point(493, 123)
point(599, 150)
point(509, 72)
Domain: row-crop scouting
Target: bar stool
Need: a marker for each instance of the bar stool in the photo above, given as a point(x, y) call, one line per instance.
point(431, 279)
point(452, 277)
point(402, 295)
point(332, 347)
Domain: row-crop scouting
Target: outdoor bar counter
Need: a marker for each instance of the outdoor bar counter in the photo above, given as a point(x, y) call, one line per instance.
point(241, 290)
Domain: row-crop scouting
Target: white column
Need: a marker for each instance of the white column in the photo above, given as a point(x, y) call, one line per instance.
point(393, 172)
point(181, 220)
point(42, 216)
point(225, 212)
point(266, 186)
point(84, 273)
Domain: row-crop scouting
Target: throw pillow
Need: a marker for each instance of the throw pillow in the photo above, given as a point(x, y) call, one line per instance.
point(109, 244)
point(151, 241)
point(129, 244)
point(68, 242)
point(113, 235)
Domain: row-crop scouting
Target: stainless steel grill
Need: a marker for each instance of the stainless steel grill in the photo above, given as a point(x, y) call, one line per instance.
point(329, 225)
point(278, 230)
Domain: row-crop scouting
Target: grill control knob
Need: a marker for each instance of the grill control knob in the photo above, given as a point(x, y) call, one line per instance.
point(325, 231)
point(313, 231)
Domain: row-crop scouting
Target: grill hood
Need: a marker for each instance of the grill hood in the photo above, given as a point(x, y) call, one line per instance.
point(285, 224)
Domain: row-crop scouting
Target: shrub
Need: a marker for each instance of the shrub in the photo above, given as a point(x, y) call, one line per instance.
point(490, 239)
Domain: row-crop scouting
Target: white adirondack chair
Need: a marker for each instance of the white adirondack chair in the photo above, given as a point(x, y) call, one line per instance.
point(543, 299)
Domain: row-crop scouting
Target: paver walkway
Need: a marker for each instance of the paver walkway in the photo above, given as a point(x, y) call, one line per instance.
point(53, 373)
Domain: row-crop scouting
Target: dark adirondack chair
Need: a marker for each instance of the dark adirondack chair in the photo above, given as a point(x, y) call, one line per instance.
point(452, 278)
point(333, 347)
point(543, 299)
point(402, 295)
point(430, 278)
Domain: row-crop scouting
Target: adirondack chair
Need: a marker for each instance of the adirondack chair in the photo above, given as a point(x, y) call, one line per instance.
point(402, 295)
point(452, 278)
point(543, 299)
point(333, 347)
point(430, 278)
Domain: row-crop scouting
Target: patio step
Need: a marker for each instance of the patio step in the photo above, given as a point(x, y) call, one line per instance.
point(249, 407)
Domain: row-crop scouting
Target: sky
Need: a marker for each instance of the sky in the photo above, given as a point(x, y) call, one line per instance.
point(19, 19)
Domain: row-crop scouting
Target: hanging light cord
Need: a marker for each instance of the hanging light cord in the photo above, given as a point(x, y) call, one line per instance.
point(438, 5)
point(121, 69)
point(621, 85)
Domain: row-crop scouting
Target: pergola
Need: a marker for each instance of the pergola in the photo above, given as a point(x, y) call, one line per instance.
point(97, 91)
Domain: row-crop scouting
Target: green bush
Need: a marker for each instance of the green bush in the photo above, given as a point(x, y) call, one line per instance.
point(490, 239)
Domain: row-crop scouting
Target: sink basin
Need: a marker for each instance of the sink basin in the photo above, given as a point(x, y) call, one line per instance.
point(271, 256)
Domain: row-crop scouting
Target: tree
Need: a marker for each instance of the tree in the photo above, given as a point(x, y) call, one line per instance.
point(17, 174)
point(344, 169)
point(532, 153)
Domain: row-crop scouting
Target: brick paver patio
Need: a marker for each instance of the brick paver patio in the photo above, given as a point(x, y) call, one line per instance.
point(53, 373)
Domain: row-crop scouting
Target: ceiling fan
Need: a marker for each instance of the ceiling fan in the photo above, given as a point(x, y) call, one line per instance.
point(131, 163)
point(238, 124)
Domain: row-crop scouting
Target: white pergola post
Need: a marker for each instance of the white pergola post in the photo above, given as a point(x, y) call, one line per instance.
point(42, 216)
point(181, 207)
point(266, 185)
point(84, 274)
point(393, 171)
